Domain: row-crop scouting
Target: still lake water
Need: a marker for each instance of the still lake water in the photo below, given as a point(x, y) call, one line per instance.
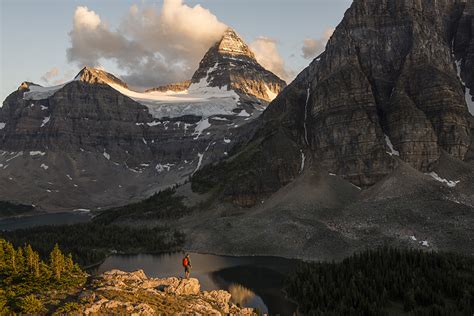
point(252, 281)
point(65, 218)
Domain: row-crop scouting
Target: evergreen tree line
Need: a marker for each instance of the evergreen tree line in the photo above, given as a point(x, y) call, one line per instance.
point(386, 281)
point(90, 243)
point(25, 276)
point(10, 209)
point(163, 205)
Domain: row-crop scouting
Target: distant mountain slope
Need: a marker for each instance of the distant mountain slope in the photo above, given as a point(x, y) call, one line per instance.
point(94, 142)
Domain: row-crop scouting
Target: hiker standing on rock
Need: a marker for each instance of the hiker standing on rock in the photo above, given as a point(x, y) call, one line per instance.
point(187, 265)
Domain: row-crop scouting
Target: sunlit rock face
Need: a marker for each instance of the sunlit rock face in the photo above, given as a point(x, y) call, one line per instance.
point(232, 65)
point(175, 87)
point(94, 76)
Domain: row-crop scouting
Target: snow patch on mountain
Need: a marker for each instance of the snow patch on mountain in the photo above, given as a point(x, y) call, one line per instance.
point(162, 167)
point(200, 127)
point(37, 153)
point(392, 151)
point(449, 183)
point(469, 101)
point(45, 121)
point(198, 100)
point(243, 113)
point(39, 93)
point(469, 98)
point(303, 159)
point(200, 158)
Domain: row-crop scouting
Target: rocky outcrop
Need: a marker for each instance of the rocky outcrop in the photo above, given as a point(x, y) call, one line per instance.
point(385, 88)
point(133, 293)
point(230, 63)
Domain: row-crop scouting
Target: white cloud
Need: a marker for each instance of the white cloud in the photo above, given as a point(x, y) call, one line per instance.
point(313, 47)
point(50, 74)
point(85, 18)
point(267, 54)
point(151, 45)
point(54, 77)
point(67, 75)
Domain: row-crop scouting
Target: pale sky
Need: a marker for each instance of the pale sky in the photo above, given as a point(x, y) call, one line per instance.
point(36, 34)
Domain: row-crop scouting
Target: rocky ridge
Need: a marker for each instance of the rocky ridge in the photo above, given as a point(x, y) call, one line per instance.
point(99, 144)
point(133, 293)
point(175, 87)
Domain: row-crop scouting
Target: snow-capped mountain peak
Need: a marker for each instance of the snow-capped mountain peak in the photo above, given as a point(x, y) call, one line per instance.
point(230, 64)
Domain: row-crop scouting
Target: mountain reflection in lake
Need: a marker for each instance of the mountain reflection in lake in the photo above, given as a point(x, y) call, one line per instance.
point(252, 281)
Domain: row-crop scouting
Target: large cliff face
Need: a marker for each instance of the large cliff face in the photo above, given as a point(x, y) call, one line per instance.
point(386, 88)
point(394, 60)
point(93, 142)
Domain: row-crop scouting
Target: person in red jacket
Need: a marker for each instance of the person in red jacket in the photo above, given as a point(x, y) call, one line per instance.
point(187, 265)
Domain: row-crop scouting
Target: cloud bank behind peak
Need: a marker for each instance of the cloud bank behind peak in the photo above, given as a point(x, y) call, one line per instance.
point(157, 45)
point(151, 46)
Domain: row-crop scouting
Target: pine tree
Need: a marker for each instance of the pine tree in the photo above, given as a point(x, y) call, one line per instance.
point(69, 264)
point(11, 257)
point(56, 262)
point(36, 264)
point(20, 260)
point(29, 257)
point(2, 255)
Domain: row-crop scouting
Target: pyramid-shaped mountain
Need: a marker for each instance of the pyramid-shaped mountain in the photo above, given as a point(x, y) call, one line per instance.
point(94, 75)
point(230, 63)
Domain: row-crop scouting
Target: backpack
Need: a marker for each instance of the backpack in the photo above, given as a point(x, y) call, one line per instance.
point(185, 262)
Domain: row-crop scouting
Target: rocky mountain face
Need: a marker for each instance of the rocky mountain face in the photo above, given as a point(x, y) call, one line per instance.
point(92, 142)
point(386, 89)
point(231, 64)
point(464, 46)
point(175, 87)
point(133, 293)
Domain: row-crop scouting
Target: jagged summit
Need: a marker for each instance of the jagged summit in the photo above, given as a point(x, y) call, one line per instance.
point(94, 75)
point(233, 45)
point(230, 64)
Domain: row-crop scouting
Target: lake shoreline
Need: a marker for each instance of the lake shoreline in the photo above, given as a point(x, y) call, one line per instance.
point(260, 279)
